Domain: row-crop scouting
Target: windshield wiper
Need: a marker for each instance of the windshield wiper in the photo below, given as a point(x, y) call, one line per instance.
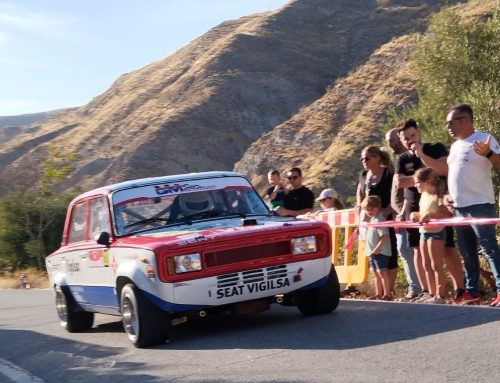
point(214, 214)
point(146, 221)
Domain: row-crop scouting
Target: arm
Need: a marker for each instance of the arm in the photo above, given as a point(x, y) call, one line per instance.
point(404, 182)
point(275, 191)
point(380, 244)
point(396, 198)
point(360, 195)
point(495, 160)
point(291, 213)
point(441, 213)
point(488, 149)
point(439, 165)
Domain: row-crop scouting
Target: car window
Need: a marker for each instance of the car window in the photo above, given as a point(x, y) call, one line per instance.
point(78, 223)
point(153, 206)
point(99, 217)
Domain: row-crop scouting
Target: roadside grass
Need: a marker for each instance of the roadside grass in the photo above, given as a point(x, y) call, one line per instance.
point(12, 280)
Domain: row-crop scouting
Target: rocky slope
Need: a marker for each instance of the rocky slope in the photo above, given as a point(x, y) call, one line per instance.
point(274, 89)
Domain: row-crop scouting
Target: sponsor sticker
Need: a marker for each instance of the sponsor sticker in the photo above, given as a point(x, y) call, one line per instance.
point(251, 288)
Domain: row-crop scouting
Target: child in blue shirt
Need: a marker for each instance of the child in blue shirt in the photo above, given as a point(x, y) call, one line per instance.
point(378, 247)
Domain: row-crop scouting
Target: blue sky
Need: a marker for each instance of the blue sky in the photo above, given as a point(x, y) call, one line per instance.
point(62, 53)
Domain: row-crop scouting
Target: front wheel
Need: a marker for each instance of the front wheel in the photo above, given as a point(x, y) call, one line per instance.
point(144, 323)
point(320, 300)
point(71, 317)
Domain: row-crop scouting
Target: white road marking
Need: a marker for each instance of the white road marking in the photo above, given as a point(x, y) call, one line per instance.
point(17, 374)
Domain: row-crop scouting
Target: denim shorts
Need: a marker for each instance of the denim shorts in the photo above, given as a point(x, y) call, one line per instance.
point(439, 235)
point(379, 261)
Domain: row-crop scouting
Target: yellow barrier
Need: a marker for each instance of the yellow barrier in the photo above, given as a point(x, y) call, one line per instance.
point(351, 264)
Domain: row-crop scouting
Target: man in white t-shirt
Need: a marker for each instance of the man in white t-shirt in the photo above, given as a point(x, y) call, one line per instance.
point(471, 159)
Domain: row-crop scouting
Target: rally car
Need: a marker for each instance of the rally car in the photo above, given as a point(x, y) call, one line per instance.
point(158, 251)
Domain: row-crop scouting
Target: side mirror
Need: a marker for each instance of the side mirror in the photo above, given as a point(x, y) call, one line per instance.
point(104, 239)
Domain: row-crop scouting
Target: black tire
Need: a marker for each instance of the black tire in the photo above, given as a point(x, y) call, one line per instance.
point(144, 323)
point(320, 300)
point(71, 316)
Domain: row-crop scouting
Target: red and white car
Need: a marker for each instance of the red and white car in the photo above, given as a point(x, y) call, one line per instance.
point(157, 251)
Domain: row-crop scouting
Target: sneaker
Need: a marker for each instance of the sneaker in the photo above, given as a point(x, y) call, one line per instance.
point(418, 296)
point(424, 297)
point(436, 299)
point(466, 298)
point(457, 293)
point(407, 298)
point(496, 302)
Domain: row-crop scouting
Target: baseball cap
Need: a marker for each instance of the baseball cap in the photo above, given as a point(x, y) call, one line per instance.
point(327, 193)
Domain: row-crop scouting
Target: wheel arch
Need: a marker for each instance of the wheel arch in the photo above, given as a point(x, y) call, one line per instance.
point(121, 281)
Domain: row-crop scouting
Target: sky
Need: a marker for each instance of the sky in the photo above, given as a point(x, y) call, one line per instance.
point(61, 53)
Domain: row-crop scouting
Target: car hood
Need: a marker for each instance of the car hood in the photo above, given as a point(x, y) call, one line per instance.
point(218, 230)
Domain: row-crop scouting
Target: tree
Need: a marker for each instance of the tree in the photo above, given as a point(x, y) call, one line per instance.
point(31, 220)
point(457, 61)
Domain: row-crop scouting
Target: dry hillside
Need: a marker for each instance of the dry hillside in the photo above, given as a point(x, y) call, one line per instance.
point(257, 89)
point(325, 139)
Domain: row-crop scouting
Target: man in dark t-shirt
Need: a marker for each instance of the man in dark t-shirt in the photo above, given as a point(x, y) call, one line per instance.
point(408, 163)
point(433, 156)
point(298, 198)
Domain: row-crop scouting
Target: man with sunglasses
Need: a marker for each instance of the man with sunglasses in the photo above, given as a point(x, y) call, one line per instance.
point(298, 198)
point(472, 157)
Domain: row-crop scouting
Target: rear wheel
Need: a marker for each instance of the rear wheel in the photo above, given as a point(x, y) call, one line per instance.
point(71, 317)
point(320, 300)
point(144, 323)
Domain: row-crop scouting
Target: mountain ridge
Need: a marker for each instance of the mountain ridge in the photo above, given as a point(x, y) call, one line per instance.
point(204, 106)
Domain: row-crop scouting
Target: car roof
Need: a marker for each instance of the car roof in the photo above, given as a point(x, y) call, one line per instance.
point(105, 190)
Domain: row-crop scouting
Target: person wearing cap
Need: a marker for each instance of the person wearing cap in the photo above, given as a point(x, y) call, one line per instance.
point(329, 200)
point(298, 199)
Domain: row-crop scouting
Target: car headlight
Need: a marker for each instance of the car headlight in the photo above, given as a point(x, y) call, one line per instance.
point(187, 262)
point(304, 245)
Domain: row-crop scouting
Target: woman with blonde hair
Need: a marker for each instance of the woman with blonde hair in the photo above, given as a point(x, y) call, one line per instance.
point(376, 179)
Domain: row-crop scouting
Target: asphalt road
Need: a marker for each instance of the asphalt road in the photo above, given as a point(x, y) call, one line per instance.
point(362, 341)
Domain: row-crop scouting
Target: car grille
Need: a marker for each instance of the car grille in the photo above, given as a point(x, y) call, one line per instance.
point(225, 257)
point(252, 276)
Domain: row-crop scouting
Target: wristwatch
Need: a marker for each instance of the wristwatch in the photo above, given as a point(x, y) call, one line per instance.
point(490, 153)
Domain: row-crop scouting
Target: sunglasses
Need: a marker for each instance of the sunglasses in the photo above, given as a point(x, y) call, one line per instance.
point(452, 121)
point(292, 178)
point(364, 159)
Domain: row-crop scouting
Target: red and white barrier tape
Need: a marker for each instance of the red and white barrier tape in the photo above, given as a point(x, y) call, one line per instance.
point(456, 221)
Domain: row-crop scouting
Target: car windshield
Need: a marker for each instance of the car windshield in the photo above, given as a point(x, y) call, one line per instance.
point(171, 204)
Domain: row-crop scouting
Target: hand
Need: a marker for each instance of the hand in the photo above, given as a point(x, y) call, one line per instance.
point(448, 202)
point(417, 149)
point(281, 211)
point(425, 218)
point(414, 216)
point(482, 148)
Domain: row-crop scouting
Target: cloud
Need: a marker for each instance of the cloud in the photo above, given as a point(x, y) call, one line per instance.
point(15, 18)
point(22, 63)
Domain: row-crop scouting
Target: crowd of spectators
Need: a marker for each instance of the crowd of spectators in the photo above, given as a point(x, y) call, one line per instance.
point(427, 182)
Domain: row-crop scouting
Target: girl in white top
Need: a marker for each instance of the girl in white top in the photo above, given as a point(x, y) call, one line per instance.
point(432, 239)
